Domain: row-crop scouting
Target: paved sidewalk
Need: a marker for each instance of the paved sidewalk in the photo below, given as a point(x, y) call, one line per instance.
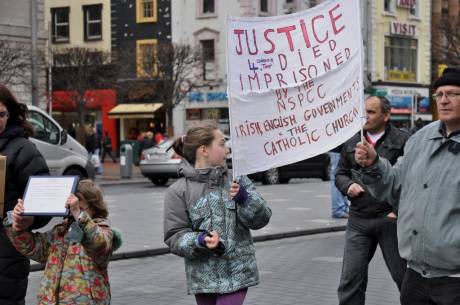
point(294, 271)
point(111, 175)
point(299, 208)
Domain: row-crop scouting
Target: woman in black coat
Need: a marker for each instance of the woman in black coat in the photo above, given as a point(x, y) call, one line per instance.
point(22, 160)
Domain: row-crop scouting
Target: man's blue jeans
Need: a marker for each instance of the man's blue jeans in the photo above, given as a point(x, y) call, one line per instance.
point(361, 240)
point(339, 202)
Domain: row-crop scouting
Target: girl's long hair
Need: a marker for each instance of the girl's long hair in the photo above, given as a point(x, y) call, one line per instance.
point(17, 111)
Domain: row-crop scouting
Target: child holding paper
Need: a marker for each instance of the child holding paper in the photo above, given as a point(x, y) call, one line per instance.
point(208, 218)
point(76, 252)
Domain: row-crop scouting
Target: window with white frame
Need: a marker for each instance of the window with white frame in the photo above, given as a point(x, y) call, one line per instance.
point(92, 21)
point(208, 7)
point(60, 24)
point(209, 57)
point(414, 9)
point(264, 6)
point(389, 6)
point(400, 59)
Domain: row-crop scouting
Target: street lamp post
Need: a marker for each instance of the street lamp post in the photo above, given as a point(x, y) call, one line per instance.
point(413, 109)
point(33, 38)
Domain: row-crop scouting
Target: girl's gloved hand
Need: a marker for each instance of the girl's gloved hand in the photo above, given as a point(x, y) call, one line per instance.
point(238, 193)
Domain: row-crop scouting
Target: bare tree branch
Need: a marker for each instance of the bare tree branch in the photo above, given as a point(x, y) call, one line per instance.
point(79, 69)
point(446, 43)
point(14, 63)
point(178, 72)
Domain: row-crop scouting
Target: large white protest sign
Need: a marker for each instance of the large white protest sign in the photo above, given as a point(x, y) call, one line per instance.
point(295, 84)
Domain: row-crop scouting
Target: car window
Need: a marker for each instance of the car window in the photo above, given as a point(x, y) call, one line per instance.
point(165, 144)
point(44, 129)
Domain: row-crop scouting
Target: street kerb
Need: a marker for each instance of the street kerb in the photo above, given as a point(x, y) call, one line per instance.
point(260, 238)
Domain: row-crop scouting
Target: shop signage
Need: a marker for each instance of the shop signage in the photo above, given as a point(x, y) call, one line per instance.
point(401, 99)
point(407, 3)
point(220, 96)
point(398, 75)
point(401, 28)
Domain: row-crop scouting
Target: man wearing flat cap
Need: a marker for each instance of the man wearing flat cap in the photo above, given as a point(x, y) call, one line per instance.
point(424, 186)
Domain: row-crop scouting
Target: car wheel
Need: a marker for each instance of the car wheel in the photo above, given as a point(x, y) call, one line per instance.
point(327, 173)
point(159, 181)
point(272, 176)
point(74, 172)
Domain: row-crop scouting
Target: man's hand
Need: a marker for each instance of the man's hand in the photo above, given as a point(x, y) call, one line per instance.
point(365, 154)
point(212, 241)
point(21, 223)
point(354, 190)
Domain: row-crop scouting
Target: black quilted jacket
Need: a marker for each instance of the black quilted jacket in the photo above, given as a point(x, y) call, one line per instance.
point(23, 160)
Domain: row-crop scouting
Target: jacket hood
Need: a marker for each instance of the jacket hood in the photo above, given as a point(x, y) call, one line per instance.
point(212, 174)
point(12, 131)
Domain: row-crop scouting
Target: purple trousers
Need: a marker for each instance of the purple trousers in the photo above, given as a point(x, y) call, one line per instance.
point(233, 298)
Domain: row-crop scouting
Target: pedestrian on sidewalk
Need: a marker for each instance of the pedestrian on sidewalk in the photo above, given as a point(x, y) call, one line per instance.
point(93, 145)
point(372, 221)
point(339, 202)
point(425, 188)
point(76, 252)
point(107, 148)
point(208, 218)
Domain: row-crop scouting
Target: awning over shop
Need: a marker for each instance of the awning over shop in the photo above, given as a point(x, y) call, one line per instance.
point(134, 111)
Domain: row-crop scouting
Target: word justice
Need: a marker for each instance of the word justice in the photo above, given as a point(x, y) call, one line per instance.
point(308, 29)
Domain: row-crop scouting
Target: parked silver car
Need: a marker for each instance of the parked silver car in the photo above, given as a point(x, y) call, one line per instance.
point(159, 165)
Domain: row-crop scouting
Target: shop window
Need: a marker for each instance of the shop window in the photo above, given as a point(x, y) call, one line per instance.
point(145, 58)
point(193, 114)
point(389, 6)
point(146, 11)
point(60, 24)
point(400, 59)
point(92, 22)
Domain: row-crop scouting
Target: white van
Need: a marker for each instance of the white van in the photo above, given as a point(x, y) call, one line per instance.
point(63, 154)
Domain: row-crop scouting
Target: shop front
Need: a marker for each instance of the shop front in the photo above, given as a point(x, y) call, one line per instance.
point(408, 104)
point(211, 105)
point(135, 120)
point(97, 105)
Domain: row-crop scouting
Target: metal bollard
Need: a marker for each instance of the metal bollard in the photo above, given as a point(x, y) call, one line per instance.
point(126, 161)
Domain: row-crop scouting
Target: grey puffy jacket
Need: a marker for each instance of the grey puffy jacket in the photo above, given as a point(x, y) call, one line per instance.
point(200, 201)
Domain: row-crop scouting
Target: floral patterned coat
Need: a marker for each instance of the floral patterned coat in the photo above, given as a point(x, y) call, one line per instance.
point(75, 273)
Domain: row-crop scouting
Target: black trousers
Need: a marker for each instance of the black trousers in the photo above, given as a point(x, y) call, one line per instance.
point(417, 290)
point(361, 240)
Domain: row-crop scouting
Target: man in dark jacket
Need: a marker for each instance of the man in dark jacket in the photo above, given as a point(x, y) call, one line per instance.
point(371, 222)
point(22, 160)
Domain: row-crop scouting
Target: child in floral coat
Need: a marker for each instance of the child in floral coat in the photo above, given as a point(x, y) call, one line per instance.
point(76, 252)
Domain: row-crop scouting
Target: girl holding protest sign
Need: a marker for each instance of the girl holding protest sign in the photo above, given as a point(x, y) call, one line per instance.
point(208, 218)
point(76, 252)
